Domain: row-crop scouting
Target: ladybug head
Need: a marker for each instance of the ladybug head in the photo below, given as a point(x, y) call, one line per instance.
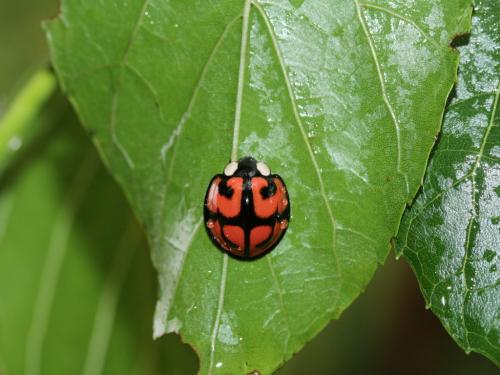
point(247, 167)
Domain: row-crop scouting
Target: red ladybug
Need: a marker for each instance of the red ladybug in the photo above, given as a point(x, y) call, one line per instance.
point(247, 209)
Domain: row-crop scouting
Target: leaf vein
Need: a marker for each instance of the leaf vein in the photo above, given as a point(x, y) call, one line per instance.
point(159, 326)
point(220, 305)
point(404, 19)
point(117, 88)
point(383, 90)
point(241, 79)
point(187, 113)
point(282, 304)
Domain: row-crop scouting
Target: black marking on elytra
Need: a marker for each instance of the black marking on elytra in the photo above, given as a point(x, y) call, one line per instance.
point(225, 190)
point(269, 190)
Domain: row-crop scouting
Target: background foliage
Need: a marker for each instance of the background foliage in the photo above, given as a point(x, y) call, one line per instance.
point(426, 348)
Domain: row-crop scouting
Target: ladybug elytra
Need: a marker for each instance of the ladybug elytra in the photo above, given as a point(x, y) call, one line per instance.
point(247, 209)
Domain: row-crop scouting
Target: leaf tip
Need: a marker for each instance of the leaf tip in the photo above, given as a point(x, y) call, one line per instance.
point(159, 328)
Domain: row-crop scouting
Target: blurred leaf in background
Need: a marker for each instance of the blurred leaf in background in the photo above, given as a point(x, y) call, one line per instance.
point(23, 47)
point(77, 288)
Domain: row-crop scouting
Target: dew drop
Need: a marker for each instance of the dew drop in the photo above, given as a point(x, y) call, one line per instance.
point(472, 282)
point(443, 301)
point(218, 364)
point(311, 133)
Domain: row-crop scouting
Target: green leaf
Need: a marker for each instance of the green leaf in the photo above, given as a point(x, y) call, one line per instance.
point(451, 234)
point(343, 99)
point(76, 287)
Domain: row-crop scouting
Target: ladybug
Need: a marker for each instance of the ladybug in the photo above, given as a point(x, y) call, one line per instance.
point(247, 209)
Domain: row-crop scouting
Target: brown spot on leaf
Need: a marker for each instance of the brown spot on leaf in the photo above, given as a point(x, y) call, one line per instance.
point(459, 40)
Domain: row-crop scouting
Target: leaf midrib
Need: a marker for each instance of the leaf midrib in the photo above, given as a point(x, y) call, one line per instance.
point(234, 152)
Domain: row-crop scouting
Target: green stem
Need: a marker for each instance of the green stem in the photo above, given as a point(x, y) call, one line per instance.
point(16, 126)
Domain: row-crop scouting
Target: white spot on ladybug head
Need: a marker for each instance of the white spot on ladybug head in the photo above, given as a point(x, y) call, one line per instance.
point(263, 169)
point(231, 168)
